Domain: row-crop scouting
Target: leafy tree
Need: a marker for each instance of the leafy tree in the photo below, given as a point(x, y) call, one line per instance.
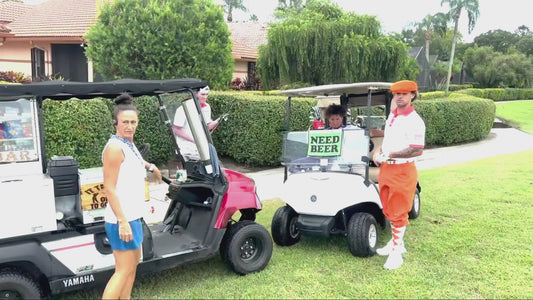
point(525, 45)
point(523, 30)
point(490, 68)
point(499, 40)
point(161, 39)
point(456, 6)
point(230, 6)
point(323, 44)
point(285, 9)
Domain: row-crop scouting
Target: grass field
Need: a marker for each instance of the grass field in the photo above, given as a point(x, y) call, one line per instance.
point(517, 113)
point(473, 240)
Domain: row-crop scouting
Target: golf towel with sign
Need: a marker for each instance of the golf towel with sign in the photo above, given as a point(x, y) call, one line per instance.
point(347, 145)
point(325, 143)
point(93, 199)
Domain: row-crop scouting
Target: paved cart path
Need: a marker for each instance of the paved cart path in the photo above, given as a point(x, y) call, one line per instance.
point(268, 181)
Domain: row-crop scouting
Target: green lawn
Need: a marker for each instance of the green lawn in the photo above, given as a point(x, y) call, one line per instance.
point(517, 113)
point(473, 239)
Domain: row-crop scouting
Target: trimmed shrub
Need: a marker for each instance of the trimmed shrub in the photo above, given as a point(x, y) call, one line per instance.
point(432, 95)
point(253, 132)
point(14, 77)
point(77, 128)
point(457, 119)
point(500, 94)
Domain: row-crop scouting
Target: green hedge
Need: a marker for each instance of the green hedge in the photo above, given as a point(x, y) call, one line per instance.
point(77, 128)
point(253, 132)
point(457, 119)
point(500, 94)
point(81, 128)
point(432, 95)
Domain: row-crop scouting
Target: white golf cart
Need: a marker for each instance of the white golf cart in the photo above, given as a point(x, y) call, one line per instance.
point(330, 184)
point(53, 240)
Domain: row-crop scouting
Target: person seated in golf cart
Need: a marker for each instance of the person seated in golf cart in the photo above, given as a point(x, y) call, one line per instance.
point(335, 114)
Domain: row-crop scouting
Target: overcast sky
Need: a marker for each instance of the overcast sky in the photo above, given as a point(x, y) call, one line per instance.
point(394, 15)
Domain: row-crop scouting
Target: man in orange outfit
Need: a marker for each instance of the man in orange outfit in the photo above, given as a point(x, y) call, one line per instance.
point(402, 143)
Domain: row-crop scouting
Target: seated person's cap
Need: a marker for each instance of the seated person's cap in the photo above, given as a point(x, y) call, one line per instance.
point(204, 89)
point(404, 86)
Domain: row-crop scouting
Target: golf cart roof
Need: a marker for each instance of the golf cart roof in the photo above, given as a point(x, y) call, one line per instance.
point(349, 94)
point(338, 89)
point(109, 89)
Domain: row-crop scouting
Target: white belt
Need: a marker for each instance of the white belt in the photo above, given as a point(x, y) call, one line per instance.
point(398, 162)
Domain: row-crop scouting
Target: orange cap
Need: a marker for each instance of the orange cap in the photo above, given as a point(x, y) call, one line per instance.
point(404, 86)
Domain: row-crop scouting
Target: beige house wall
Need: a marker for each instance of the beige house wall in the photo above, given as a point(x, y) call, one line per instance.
point(241, 69)
point(16, 56)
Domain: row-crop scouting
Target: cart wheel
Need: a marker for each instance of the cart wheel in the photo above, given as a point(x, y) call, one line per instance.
point(362, 234)
point(15, 285)
point(415, 209)
point(284, 229)
point(246, 247)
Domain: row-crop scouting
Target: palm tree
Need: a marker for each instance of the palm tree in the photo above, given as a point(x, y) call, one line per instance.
point(433, 24)
point(456, 6)
point(230, 5)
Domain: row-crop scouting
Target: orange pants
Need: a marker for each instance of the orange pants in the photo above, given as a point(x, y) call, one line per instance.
point(397, 186)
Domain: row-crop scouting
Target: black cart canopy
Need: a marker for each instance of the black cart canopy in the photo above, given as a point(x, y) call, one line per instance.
point(83, 90)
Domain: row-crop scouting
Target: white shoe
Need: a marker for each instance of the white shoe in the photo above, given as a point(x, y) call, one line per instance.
point(394, 261)
point(387, 249)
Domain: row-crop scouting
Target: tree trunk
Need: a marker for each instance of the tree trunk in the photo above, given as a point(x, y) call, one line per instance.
point(452, 52)
point(230, 17)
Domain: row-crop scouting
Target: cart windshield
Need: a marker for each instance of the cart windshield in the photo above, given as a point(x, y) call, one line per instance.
point(340, 150)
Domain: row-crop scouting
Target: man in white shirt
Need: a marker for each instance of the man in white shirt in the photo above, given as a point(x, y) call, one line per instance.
point(403, 141)
point(182, 131)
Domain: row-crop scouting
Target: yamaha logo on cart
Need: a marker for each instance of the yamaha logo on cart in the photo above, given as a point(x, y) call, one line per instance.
point(78, 280)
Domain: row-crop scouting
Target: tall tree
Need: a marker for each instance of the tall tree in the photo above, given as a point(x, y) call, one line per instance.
point(161, 39)
point(456, 6)
point(498, 39)
point(431, 25)
point(231, 5)
point(285, 9)
point(324, 44)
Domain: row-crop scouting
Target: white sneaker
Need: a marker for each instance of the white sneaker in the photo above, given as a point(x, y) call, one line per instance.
point(394, 261)
point(387, 249)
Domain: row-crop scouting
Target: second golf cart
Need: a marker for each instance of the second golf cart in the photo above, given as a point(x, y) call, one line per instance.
point(330, 184)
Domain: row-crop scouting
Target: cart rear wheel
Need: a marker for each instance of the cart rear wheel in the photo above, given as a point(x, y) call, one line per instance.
point(415, 209)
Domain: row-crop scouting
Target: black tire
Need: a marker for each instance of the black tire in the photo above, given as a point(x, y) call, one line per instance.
point(363, 232)
point(415, 209)
point(246, 247)
point(284, 229)
point(15, 285)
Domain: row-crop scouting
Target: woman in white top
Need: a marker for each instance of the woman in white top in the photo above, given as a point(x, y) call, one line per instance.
point(124, 186)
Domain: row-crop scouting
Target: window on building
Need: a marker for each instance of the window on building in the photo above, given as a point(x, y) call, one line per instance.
point(37, 64)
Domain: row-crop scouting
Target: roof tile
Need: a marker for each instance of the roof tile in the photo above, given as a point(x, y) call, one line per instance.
point(241, 51)
point(251, 34)
point(56, 18)
point(10, 11)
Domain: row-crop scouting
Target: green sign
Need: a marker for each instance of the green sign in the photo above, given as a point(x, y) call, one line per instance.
point(324, 143)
